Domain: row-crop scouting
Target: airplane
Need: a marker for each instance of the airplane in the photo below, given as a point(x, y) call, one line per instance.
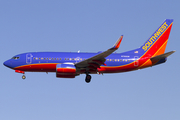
point(72, 64)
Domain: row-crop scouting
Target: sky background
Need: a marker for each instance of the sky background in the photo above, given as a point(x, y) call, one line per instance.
point(88, 26)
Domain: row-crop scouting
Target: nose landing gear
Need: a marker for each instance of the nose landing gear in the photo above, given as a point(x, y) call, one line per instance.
point(23, 77)
point(18, 71)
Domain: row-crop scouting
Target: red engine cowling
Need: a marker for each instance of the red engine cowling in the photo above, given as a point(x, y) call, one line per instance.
point(65, 71)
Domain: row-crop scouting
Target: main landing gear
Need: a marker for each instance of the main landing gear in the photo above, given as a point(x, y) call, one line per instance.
point(88, 78)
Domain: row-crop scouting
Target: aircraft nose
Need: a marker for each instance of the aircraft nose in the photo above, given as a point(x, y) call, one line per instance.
point(7, 63)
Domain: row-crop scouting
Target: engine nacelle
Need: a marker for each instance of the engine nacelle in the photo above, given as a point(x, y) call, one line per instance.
point(65, 71)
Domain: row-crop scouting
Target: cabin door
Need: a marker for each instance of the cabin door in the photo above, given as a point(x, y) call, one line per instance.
point(29, 58)
point(136, 61)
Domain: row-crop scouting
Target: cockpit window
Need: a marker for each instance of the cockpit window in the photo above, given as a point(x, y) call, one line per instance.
point(15, 58)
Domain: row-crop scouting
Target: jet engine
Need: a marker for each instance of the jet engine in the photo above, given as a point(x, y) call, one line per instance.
point(65, 71)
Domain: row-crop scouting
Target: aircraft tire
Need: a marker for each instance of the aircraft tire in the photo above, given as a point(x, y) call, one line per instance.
point(23, 77)
point(88, 78)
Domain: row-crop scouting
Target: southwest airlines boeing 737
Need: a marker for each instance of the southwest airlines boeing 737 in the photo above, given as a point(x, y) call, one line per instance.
point(70, 65)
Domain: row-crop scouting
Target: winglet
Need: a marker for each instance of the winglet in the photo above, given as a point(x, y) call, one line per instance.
point(117, 44)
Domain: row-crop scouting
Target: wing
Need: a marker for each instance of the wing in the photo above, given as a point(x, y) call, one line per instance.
point(91, 64)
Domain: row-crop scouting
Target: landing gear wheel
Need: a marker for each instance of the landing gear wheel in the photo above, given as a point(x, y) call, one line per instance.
point(23, 77)
point(88, 78)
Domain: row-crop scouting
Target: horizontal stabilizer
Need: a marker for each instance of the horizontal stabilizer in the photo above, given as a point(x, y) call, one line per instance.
point(162, 56)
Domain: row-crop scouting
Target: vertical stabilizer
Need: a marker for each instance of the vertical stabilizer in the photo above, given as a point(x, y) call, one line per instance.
point(156, 44)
